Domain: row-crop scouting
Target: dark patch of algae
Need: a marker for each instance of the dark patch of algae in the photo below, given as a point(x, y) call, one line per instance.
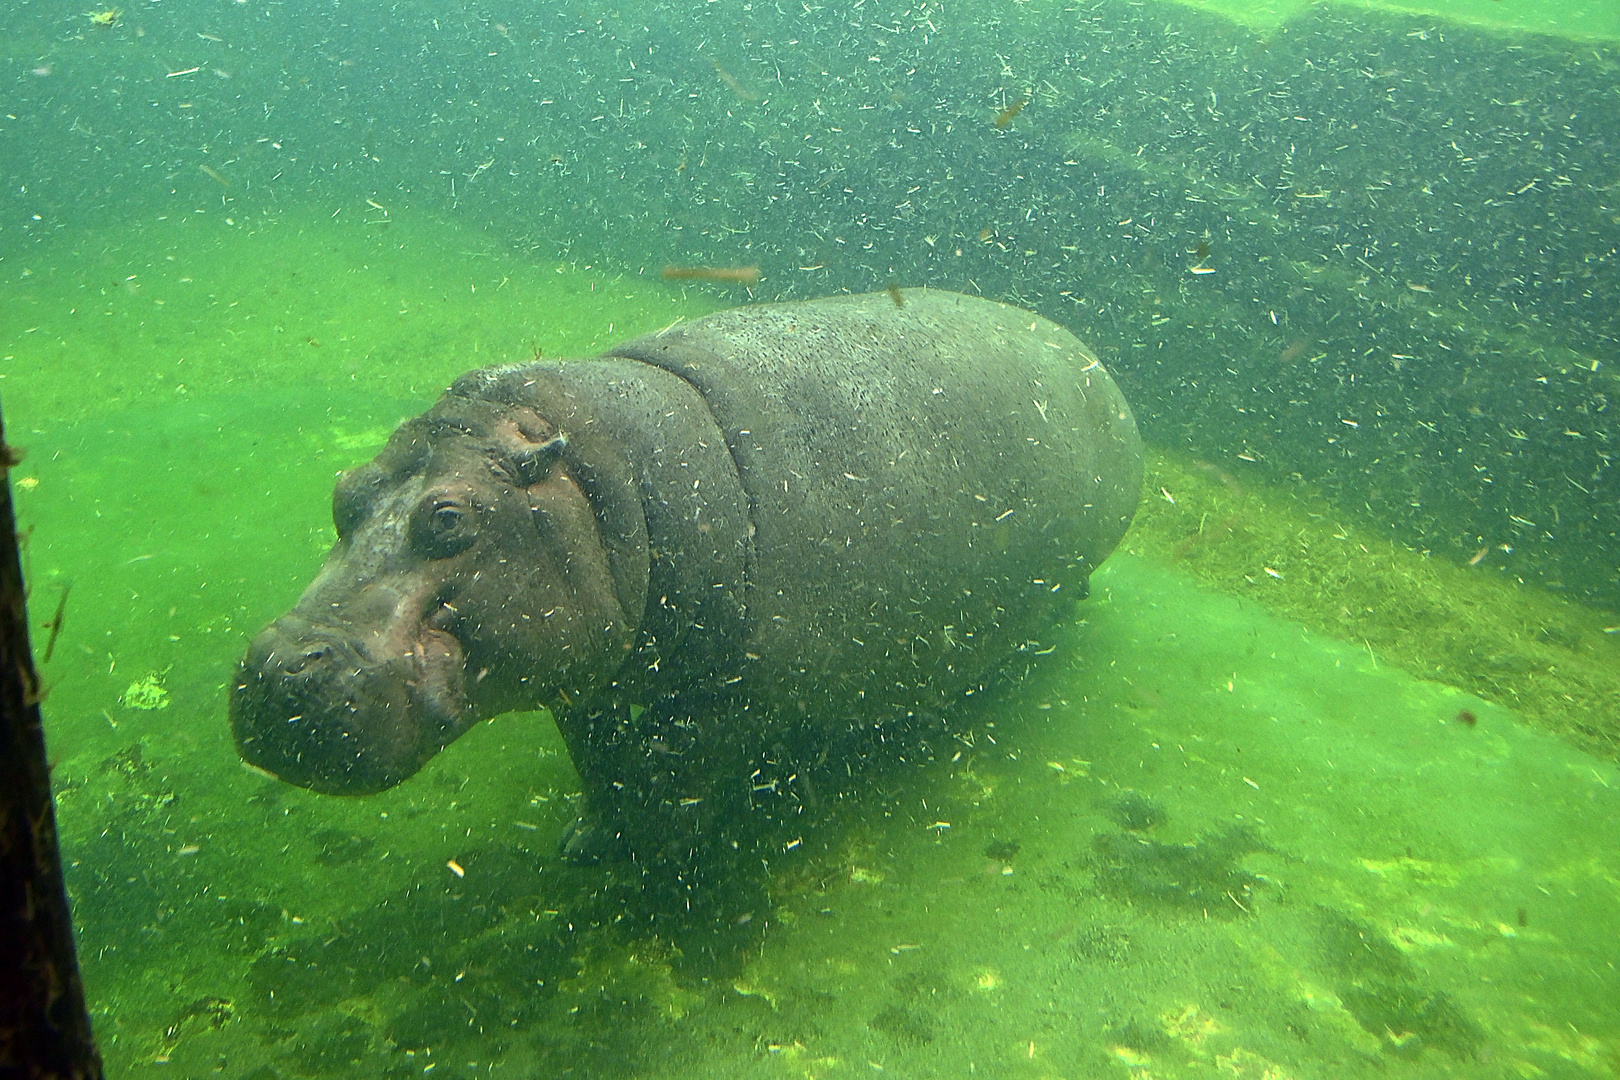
point(1471, 627)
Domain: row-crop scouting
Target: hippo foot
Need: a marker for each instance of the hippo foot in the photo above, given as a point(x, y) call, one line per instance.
point(586, 843)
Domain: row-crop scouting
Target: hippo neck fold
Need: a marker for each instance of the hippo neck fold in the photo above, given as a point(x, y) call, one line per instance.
point(654, 463)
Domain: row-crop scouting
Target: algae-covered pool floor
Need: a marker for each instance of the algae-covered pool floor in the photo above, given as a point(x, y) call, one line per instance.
point(1198, 840)
point(1209, 842)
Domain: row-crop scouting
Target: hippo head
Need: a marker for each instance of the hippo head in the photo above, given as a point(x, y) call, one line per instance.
point(476, 571)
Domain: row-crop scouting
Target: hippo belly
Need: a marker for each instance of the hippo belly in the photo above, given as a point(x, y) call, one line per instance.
point(715, 549)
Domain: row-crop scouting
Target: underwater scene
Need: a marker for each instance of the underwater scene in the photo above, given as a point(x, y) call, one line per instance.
point(1319, 780)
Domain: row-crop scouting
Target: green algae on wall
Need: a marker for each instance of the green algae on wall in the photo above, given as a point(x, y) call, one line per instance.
point(1474, 627)
point(1578, 20)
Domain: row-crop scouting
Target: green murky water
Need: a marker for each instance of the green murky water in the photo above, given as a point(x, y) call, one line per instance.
point(1198, 839)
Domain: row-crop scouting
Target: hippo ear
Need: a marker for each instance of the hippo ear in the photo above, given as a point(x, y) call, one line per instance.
point(533, 463)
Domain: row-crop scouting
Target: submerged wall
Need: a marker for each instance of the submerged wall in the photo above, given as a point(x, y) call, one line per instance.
point(1365, 252)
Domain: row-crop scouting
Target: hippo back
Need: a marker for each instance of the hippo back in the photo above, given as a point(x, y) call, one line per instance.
point(931, 483)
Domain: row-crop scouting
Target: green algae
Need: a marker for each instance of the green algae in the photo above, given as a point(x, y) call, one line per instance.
point(1370, 855)
point(1474, 627)
point(1200, 876)
point(167, 308)
point(1578, 20)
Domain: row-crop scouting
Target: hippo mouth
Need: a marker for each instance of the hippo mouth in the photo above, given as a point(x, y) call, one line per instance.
point(344, 714)
point(440, 663)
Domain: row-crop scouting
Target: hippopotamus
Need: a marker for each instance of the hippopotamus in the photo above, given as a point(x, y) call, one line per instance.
point(713, 553)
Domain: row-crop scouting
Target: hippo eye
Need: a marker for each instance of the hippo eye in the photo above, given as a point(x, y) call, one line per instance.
point(442, 528)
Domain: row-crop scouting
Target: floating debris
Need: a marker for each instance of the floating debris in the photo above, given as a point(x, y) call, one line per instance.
point(742, 275)
point(743, 94)
point(1007, 115)
point(56, 621)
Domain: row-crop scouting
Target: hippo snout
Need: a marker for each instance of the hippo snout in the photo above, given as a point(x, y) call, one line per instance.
point(317, 708)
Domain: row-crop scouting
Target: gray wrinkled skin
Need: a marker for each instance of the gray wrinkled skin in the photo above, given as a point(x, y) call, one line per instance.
point(713, 553)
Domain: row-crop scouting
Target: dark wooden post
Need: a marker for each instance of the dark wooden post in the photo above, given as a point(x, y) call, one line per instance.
point(44, 1028)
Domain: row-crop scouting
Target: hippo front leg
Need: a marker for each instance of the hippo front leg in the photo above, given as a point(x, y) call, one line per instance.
point(600, 738)
point(666, 790)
